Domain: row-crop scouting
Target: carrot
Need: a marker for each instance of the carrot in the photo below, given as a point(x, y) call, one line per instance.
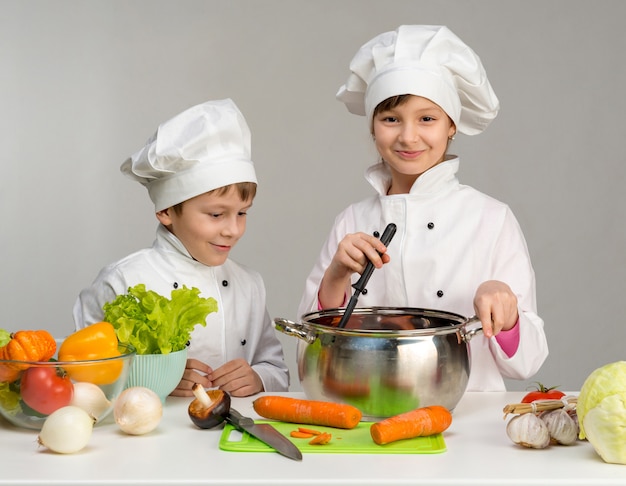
point(310, 412)
point(321, 439)
point(301, 435)
point(308, 431)
point(420, 422)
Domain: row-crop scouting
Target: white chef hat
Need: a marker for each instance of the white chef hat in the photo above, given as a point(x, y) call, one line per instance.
point(203, 148)
point(423, 60)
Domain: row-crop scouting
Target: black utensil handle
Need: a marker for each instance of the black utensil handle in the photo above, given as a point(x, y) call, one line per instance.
point(360, 284)
point(238, 420)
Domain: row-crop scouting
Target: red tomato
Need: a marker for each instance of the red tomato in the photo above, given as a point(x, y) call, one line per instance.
point(44, 390)
point(543, 393)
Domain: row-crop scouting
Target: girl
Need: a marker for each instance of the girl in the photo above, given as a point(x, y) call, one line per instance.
point(455, 248)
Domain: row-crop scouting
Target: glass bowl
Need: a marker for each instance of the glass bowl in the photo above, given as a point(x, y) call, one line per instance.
point(31, 390)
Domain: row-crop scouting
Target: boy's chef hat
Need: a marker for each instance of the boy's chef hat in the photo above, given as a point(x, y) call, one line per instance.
point(423, 60)
point(203, 148)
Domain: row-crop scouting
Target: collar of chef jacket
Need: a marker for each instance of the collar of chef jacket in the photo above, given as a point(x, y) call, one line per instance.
point(379, 176)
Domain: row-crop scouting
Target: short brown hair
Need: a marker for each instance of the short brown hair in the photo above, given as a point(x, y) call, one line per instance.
point(246, 191)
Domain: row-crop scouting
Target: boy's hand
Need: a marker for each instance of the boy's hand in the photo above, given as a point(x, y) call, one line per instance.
point(237, 378)
point(195, 372)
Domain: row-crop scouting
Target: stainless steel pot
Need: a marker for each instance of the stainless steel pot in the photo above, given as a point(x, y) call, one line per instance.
point(386, 361)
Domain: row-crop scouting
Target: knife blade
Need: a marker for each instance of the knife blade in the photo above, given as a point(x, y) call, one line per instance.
point(359, 286)
point(265, 433)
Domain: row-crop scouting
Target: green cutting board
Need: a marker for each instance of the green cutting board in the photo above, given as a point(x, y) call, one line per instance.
point(353, 441)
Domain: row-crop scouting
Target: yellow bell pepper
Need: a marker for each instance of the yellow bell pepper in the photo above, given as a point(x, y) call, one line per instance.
point(94, 342)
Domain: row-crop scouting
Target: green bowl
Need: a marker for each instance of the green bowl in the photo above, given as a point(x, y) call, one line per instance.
point(159, 372)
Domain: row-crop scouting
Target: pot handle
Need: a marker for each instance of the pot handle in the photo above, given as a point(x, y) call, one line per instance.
point(469, 334)
point(294, 329)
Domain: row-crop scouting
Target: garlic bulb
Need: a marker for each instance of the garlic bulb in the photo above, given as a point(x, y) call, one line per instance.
point(66, 430)
point(91, 399)
point(561, 427)
point(528, 430)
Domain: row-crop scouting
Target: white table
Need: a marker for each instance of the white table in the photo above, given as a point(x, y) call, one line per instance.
point(177, 453)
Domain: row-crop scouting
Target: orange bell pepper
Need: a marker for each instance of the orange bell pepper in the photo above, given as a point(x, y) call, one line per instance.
point(94, 342)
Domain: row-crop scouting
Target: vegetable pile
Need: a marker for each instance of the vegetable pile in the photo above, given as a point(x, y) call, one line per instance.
point(154, 324)
point(210, 408)
point(546, 416)
point(31, 383)
point(421, 422)
point(70, 398)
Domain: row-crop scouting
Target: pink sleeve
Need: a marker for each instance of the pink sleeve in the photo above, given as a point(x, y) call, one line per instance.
point(509, 340)
point(319, 304)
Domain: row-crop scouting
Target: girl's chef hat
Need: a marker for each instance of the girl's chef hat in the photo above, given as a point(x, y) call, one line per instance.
point(423, 60)
point(203, 148)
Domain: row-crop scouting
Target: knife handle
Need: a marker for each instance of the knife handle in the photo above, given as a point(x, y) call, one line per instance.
point(360, 284)
point(238, 420)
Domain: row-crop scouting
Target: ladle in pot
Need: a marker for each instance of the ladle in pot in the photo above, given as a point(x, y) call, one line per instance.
point(359, 286)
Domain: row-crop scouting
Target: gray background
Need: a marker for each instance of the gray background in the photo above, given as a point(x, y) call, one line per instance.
point(84, 83)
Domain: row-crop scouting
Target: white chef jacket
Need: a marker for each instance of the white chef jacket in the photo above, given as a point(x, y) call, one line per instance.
point(450, 238)
point(241, 328)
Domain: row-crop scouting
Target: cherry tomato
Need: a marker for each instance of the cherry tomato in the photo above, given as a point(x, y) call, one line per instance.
point(543, 393)
point(46, 390)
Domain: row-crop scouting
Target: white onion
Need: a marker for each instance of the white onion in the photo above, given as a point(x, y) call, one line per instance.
point(66, 430)
point(90, 398)
point(138, 410)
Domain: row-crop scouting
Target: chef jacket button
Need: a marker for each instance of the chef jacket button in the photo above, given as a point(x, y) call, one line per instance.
point(439, 293)
point(430, 225)
point(364, 291)
point(376, 234)
point(175, 285)
point(224, 283)
point(243, 342)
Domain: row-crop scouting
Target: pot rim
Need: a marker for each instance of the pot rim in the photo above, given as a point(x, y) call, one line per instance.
point(457, 321)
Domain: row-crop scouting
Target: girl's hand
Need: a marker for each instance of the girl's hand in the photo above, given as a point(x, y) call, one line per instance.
point(237, 378)
point(195, 372)
point(352, 255)
point(495, 305)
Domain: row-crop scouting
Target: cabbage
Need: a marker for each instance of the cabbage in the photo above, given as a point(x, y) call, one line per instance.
point(601, 411)
point(605, 426)
point(5, 337)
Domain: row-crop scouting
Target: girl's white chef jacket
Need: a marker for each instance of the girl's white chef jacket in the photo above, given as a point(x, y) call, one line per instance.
point(450, 238)
point(241, 328)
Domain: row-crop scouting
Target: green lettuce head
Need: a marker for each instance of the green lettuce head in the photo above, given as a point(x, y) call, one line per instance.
point(601, 411)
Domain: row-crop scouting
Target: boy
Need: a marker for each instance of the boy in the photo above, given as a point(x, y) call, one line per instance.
point(199, 175)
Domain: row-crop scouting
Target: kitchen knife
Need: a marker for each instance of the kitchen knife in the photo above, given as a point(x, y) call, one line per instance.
point(265, 433)
point(359, 286)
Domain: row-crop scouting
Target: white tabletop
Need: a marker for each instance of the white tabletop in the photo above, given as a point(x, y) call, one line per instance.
point(177, 453)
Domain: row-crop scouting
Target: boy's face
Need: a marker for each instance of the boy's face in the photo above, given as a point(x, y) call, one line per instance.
point(209, 225)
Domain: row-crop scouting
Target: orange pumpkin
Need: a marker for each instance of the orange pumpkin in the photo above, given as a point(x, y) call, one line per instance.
point(28, 346)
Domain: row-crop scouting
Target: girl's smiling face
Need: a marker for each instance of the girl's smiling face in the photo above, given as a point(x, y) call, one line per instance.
point(411, 137)
point(209, 225)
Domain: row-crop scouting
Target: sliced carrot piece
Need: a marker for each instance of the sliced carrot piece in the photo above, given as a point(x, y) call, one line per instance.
point(300, 435)
point(321, 439)
point(304, 430)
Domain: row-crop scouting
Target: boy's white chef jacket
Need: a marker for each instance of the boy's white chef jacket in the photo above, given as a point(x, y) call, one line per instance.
point(450, 238)
point(241, 328)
